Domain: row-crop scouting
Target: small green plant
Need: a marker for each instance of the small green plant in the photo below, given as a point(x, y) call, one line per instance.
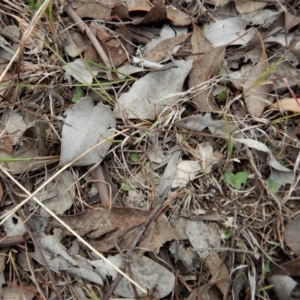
point(125, 187)
point(229, 139)
point(78, 94)
point(135, 157)
point(272, 185)
point(266, 268)
point(180, 138)
point(222, 97)
point(236, 180)
point(227, 234)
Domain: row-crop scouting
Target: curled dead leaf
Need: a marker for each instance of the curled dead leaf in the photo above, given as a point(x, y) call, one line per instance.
point(289, 104)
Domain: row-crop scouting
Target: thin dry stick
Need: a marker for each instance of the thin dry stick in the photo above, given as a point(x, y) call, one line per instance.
point(26, 35)
point(102, 186)
point(150, 218)
point(32, 196)
point(86, 30)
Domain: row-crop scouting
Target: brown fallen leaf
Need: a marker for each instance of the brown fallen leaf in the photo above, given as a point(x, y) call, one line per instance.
point(161, 50)
point(177, 17)
point(249, 6)
point(290, 268)
point(95, 10)
point(118, 225)
point(206, 67)
point(199, 43)
point(152, 14)
point(289, 104)
point(218, 271)
point(158, 233)
point(255, 91)
point(292, 237)
point(5, 141)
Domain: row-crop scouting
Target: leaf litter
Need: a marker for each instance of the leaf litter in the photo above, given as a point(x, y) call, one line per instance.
point(155, 110)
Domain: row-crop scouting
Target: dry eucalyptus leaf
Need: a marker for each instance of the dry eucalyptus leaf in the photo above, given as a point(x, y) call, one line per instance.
point(145, 271)
point(64, 188)
point(149, 95)
point(249, 6)
point(95, 10)
point(27, 292)
point(176, 17)
point(86, 125)
point(199, 43)
point(161, 50)
point(206, 67)
point(227, 32)
point(291, 236)
point(255, 90)
point(166, 33)
point(202, 235)
point(82, 71)
point(283, 286)
point(158, 233)
point(109, 224)
point(289, 104)
point(262, 147)
point(75, 43)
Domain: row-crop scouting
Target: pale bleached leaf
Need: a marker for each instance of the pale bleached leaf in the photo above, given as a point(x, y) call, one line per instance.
point(83, 72)
point(85, 126)
point(153, 92)
point(231, 31)
point(145, 271)
point(262, 147)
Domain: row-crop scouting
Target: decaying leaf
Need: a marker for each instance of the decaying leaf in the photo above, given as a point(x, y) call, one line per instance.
point(291, 236)
point(199, 43)
point(177, 17)
point(283, 286)
point(248, 6)
point(5, 141)
point(199, 122)
point(289, 104)
point(158, 233)
point(75, 43)
point(27, 292)
point(230, 31)
point(117, 49)
point(86, 125)
point(145, 271)
point(149, 95)
point(256, 91)
point(207, 66)
point(95, 10)
point(161, 50)
point(82, 71)
point(100, 221)
point(218, 271)
point(108, 227)
point(28, 152)
point(271, 160)
point(59, 194)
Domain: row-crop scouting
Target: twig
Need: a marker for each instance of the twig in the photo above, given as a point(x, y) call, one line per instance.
point(6, 241)
point(87, 31)
point(150, 218)
point(101, 185)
